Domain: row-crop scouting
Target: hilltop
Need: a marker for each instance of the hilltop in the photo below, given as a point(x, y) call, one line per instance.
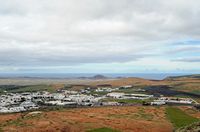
point(194, 76)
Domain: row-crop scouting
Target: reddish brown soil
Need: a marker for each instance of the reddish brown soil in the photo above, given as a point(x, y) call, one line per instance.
point(8, 117)
point(191, 111)
point(58, 86)
point(126, 119)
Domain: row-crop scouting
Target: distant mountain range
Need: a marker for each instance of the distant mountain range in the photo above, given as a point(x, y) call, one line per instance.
point(32, 77)
point(99, 77)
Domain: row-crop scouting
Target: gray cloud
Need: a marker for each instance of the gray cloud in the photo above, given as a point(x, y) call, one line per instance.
point(184, 49)
point(66, 32)
point(189, 59)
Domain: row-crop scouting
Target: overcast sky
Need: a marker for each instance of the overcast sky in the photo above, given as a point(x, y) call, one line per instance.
point(96, 36)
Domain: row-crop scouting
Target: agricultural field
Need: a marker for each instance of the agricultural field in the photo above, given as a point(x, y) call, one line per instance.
point(179, 118)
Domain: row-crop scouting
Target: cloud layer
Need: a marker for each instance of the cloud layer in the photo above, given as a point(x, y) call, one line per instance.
point(37, 34)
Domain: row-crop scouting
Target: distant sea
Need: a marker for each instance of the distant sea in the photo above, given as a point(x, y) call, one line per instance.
point(156, 76)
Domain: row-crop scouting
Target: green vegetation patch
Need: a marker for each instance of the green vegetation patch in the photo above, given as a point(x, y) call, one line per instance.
point(132, 90)
point(196, 92)
point(127, 101)
point(1, 92)
point(33, 88)
point(194, 127)
point(179, 118)
point(104, 129)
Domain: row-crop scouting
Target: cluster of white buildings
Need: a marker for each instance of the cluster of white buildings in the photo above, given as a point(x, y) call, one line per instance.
point(172, 100)
point(118, 95)
point(17, 102)
point(109, 89)
point(126, 86)
point(106, 89)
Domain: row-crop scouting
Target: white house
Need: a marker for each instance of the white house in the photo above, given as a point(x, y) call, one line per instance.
point(115, 95)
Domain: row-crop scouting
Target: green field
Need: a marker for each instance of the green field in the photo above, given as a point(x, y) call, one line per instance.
point(196, 92)
point(105, 129)
point(179, 118)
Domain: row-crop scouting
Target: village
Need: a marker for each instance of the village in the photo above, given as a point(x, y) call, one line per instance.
point(26, 101)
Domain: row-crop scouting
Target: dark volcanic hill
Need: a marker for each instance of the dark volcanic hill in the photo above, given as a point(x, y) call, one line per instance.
point(99, 77)
point(96, 77)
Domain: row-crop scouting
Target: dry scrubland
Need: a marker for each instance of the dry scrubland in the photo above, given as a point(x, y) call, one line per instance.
point(128, 119)
point(122, 119)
